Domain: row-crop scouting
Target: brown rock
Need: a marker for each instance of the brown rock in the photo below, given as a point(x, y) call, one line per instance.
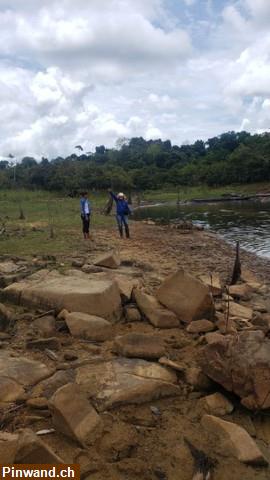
point(200, 326)
point(234, 440)
point(48, 387)
point(216, 404)
point(240, 311)
point(213, 282)
point(74, 416)
point(213, 337)
point(45, 326)
point(38, 403)
point(159, 316)
point(62, 315)
point(5, 317)
point(241, 365)
point(8, 447)
point(10, 390)
point(197, 379)
point(186, 296)
point(139, 345)
point(109, 260)
point(22, 370)
point(242, 291)
point(132, 314)
point(31, 449)
point(89, 327)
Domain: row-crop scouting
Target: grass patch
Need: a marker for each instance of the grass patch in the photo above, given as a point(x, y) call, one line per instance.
point(44, 211)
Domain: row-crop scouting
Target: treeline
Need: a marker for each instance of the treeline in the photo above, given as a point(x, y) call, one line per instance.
point(142, 165)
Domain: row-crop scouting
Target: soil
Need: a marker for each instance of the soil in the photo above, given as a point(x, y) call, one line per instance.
point(142, 442)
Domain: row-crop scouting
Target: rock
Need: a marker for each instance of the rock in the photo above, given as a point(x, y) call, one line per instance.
point(5, 317)
point(213, 337)
point(132, 314)
point(10, 390)
point(74, 416)
point(200, 326)
point(234, 441)
point(126, 286)
point(33, 450)
point(8, 447)
point(240, 311)
point(126, 381)
point(186, 296)
point(39, 403)
point(139, 345)
point(89, 327)
point(91, 269)
point(224, 324)
point(213, 282)
point(75, 292)
point(62, 315)
point(242, 291)
point(216, 404)
point(166, 362)
point(43, 343)
point(252, 281)
point(48, 387)
point(70, 356)
point(108, 260)
point(197, 379)
point(45, 326)
point(8, 267)
point(241, 366)
point(159, 316)
point(78, 263)
point(22, 370)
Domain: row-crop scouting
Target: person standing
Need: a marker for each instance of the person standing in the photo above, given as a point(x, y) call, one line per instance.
point(85, 214)
point(122, 212)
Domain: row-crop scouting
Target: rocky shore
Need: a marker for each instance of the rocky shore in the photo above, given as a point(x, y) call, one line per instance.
point(135, 359)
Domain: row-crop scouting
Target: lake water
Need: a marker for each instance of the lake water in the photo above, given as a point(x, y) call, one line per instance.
point(246, 221)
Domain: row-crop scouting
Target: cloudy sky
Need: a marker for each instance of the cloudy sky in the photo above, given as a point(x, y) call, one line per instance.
point(92, 71)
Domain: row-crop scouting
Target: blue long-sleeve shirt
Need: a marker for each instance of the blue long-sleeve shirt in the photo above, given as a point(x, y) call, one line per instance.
point(122, 207)
point(85, 206)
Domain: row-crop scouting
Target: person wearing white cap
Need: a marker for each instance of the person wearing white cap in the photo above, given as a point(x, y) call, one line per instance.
point(122, 212)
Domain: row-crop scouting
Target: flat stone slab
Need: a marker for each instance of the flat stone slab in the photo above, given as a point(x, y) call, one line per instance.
point(76, 292)
point(126, 381)
point(89, 327)
point(139, 345)
point(22, 370)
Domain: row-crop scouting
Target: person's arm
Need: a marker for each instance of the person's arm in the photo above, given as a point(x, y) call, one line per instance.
point(90, 207)
point(113, 195)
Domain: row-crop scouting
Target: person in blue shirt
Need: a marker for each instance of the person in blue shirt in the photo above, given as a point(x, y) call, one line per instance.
point(85, 214)
point(122, 212)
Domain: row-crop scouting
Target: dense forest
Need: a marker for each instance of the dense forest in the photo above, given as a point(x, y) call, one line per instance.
point(137, 164)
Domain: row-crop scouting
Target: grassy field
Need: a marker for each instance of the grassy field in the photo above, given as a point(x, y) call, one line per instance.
point(45, 213)
point(188, 193)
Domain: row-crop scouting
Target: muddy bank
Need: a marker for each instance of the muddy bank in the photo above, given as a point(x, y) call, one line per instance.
point(139, 434)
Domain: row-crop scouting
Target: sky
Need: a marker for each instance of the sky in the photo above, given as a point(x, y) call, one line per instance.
point(91, 72)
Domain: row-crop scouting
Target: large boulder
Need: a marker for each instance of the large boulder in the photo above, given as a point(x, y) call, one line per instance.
point(74, 416)
point(139, 345)
point(89, 327)
point(186, 296)
point(76, 292)
point(22, 370)
point(126, 381)
point(159, 316)
point(241, 365)
point(234, 440)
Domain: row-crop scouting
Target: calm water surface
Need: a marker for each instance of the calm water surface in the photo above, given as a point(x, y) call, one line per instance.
point(247, 221)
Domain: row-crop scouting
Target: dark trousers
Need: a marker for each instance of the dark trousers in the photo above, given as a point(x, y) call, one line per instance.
point(122, 220)
point(85, 223)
